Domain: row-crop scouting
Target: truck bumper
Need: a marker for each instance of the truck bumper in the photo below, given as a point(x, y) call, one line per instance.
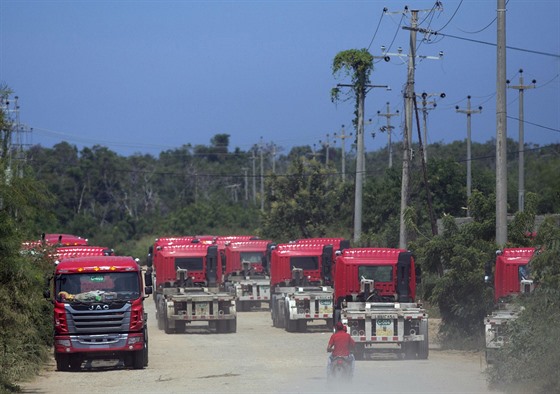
point(99, 343)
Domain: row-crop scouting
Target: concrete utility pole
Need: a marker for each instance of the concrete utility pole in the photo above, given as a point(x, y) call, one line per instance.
point(262, 175)
point(360, 157)
point(389, 130)
point(521, 182)
point(469, 112)
point(409, 97)
point(246, 183)
point(343, 137)
point(425, 110)
point(254, 174)
point(273, 154)
point(501, 128)
point(326, 145)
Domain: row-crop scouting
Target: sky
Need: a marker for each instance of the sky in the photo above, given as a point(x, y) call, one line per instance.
point(149, 76)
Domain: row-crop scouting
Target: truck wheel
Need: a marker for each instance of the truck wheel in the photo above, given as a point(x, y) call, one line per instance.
point(138, 359)
point(146, 347)
point(180, 326)
point(221, 326)
point(241, 306)
point(423, 347)
point(75, 363)
point(166, 328)
point(232, 325)
point(280, 314)
point(62, 362)
point(302, 325)
point(291, 325)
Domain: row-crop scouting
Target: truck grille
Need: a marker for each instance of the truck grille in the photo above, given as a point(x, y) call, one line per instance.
point(98, 318)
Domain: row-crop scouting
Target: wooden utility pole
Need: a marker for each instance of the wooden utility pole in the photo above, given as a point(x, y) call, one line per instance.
point(501, 128)
point(521, 179)
point(468, 112)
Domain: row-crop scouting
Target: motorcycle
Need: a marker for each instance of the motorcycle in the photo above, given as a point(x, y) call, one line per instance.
point(341, 368)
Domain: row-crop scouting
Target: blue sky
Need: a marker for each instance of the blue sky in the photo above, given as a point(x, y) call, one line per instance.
point(146, 76)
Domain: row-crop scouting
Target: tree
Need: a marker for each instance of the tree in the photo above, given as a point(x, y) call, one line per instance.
point(303, 202)
point(358, 64)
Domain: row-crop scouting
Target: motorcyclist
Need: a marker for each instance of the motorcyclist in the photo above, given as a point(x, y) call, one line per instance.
point(340, 344)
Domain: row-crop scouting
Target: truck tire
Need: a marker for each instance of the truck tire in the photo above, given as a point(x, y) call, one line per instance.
point(280, 315)
point(180, 326)
point(62, 362)
point(146, 353)
point(138, 359)
point(75, 363)
point(221, 326)
point(242, 306)
point(302, 325)
point(423, 346)
point(166, 328)
point(232, 325)
point(291, 325)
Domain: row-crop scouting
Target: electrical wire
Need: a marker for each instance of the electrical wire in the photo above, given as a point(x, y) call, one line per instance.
point(452, 16)
point(377, 28)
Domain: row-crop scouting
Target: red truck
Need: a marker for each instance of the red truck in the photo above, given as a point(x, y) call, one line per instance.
point(301, 284)
point(511, 278)
point(99, 311)
point(374, 296)
point(189, 288)
point(64, 252)
point(245, 274)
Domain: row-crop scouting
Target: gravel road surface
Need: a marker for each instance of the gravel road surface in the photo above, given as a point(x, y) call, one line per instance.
point(261, 359)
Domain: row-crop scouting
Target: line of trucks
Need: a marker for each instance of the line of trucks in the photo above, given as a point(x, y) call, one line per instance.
point(98, 297)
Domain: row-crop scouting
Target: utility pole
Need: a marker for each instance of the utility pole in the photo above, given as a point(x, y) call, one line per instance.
point(501, 128)
point(409, 97)
point(469, 112)
point(262, 175)
point(343, 137)
point(389, 130)
point(273, 158)
point(521, 182)
point(360, 166)
point(326, 145)
point(254, 175)
point(425, 110)
point(245, 169)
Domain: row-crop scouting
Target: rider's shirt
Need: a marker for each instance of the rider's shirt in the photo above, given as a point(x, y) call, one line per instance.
point(343, 343)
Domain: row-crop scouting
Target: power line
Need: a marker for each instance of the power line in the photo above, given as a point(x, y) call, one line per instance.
point(377, 28)
point(436, 33)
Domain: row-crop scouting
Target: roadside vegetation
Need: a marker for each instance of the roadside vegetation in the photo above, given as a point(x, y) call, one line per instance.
point(126, 202)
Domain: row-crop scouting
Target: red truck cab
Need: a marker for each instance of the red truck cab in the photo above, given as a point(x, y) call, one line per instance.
point(99, 311)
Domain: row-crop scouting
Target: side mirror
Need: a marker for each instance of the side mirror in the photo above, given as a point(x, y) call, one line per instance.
point(148, 278)
point(148, 290)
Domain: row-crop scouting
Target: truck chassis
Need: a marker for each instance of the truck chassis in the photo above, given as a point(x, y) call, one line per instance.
point(177, 306)
point(376, 324)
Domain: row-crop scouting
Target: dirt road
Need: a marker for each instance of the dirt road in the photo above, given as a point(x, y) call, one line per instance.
point(261, 359)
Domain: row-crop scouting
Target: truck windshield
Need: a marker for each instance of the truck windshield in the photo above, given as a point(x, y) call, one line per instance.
point(96, 287)
point(379, 273)
point(251, 257)
point(304, 262)
point(189, 263)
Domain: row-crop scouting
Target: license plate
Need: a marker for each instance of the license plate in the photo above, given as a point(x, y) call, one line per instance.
point(384, 328)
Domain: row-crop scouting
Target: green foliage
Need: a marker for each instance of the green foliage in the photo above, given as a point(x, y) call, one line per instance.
point(302, 203)
point(25, 317)
point(531, 357)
